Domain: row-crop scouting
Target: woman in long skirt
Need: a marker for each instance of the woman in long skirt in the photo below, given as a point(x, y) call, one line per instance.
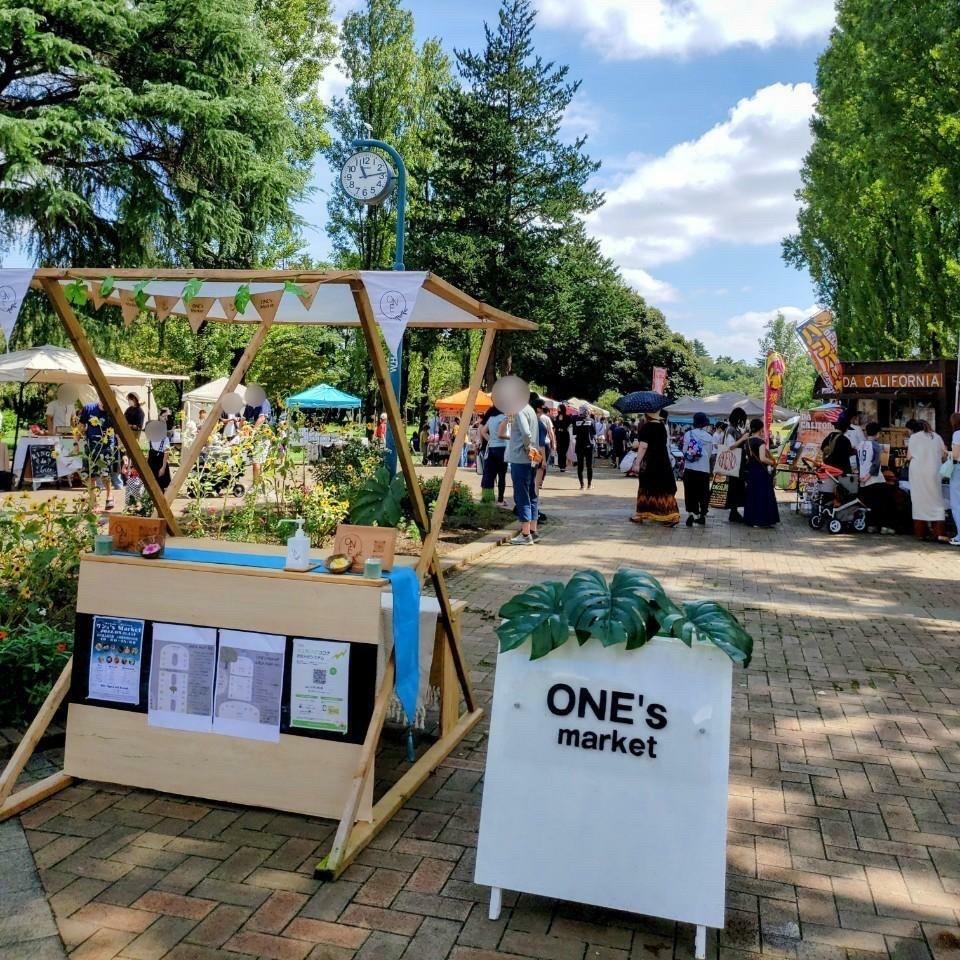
point(760, 507)
point(657, 489)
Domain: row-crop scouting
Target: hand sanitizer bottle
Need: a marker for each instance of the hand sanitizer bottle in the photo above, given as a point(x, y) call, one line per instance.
point(298, 549)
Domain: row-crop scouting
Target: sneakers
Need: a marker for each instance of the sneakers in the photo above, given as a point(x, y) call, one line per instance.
point(535, 537)
point(955, 542)
point(521, 540)
point(690, 520)
point(701, 520)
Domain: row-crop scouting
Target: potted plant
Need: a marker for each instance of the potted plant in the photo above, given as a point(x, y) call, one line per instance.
point(632, 609)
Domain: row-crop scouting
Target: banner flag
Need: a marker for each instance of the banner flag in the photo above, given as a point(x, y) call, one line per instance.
point(197, 311)
point(659, 380)
point(266, 304)
point(128, 307)
point(393, 296)
point(776, 370)
point(309, 294)
point(163, 305)
point(819, 336)
point(229, 307)
point(14, 284)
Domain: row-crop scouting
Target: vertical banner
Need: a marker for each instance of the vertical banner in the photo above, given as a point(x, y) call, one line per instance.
point(820, 338)
point(14, 285)
point(393, 295)
point(659, 380)
point(776, 369)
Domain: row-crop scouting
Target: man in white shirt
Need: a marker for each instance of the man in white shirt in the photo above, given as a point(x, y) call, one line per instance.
point(876, 494)
point(697, 446)
point(60, 414)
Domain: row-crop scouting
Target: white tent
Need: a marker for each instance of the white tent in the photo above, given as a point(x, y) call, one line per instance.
point(204, 397)
point(720, 405)
point(592, 407)
point(49, 364)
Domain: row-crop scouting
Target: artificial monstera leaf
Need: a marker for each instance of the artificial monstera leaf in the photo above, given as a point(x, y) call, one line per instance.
point(242, 297)
point(76, 293)
point(379, 501)
point(140, 295)
point(665, 612)
point(538, 613)
point(614, 614)
point(707, 620)
point(191, 289)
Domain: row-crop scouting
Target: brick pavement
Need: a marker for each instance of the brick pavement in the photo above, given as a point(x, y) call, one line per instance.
point(844, 802)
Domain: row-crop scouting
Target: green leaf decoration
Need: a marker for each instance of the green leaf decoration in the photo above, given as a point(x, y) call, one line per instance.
point(76, 293)
point(538, 613)
point(290, 287)
point(707, 620)
point(614, 614)
point(107, 287)
point(191, 290)
point(140, 294)
point(242, 297)
point(379, 501)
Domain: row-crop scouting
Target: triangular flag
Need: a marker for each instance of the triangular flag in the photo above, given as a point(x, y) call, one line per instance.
point(229, 307)
point(128, 307)
point(309, 294)
point(198, 310)
point(267, 304)
point(393, 295)
point(14, 284)
point(163, 305)
point(94, 288)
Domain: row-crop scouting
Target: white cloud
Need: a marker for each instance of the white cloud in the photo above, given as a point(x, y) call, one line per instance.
point(582, 118)
point(654, 291)
point(333, 83)
point(739, 336)
point(630, 29)
point(734, 184)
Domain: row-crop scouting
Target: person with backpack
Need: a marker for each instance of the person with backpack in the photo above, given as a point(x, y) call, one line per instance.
point(697, 448)
point(874, 490)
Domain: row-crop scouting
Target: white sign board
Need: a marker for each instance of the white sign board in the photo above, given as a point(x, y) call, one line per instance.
point(606, 779)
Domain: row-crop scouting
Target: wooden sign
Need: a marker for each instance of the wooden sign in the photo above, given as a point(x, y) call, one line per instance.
point(129, 532)
point(43, 463)
point(363, 543)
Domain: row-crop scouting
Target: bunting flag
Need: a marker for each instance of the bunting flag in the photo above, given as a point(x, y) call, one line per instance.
point(659, 380)
point(774, 372)
point(197, 311)
point(393, 296)
point(819, 336)
point(14, 284)
point(267, 304)
point(309, 294)
point(94, 290)
point(163, 305)
point(128, 307)
point(229, 307)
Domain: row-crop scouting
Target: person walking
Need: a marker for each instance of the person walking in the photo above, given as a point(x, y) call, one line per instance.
point(875, 492)
point(736, 486)
point(697, 447)
point(546, 440)
point(618, 442)
point(562, 429)
point(585, 438)
point(926, 453)
point(158, 459)
point(955, 476)
point(760, 506)
point(100, 450)
point(496, 431)
point(657, 485)
point(523, 457)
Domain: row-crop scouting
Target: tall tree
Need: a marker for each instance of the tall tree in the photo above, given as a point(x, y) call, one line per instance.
point(780, 335)
point(143, 131)
point(878, 227)
point(392, 95)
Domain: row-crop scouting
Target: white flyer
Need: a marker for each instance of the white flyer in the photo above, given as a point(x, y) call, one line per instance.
point(249, 685)
point(181, 677)
point(319, 685)
point(116, 651)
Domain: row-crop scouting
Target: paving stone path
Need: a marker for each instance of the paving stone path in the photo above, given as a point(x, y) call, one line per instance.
point(844, 832)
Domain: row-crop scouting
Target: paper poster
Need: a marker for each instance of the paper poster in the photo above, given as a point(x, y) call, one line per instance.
point(249, 685)
point(116, 651)
point(319, 683)
point(181, 677)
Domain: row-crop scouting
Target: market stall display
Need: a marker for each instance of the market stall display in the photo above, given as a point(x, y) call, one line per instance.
point(274, 615)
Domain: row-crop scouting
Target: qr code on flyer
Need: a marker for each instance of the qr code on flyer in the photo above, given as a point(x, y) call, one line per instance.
point(319, 676)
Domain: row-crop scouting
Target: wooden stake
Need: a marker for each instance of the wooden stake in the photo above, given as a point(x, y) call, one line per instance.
point(90, 363)
point(188, 459)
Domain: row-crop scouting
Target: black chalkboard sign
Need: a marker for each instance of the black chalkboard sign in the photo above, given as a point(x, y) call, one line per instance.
point(43, 464)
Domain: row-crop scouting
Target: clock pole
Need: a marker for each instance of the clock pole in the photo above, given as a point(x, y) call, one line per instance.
point(396, 359)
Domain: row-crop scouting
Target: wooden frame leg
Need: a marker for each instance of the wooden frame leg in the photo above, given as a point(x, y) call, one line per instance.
point(10, 802)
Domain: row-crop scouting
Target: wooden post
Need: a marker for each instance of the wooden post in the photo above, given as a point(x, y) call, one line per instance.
point(89, 359)
point(188, 459)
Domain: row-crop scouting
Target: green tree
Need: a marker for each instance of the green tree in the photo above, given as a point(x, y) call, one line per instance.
point(878, 227)
point(150, 131)
point(780, 335)
point(726, 375)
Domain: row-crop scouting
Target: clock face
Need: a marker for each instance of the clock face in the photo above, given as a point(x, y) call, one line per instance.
point(366, 177)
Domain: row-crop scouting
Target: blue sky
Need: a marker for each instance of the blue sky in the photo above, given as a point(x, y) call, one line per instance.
point(699, 114)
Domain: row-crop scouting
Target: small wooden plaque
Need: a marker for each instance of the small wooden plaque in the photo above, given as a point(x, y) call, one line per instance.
point(361, 543)
point(127, 532)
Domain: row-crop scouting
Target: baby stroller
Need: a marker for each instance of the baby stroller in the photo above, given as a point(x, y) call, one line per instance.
point(833, 501)
point(215, 473)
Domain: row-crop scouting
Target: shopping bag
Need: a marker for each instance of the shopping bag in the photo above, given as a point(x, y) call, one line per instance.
point(720, 492)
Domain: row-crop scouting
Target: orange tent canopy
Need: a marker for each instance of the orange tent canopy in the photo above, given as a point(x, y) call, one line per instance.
point(454, 404)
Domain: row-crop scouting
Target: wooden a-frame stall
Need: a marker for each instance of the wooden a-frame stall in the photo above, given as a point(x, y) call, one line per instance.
point(264, 298)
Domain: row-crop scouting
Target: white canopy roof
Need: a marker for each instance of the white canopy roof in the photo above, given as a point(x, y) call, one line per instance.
point(210, 392)
point(720, 405)
point(49, 364)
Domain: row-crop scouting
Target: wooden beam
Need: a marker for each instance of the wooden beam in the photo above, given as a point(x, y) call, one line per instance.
point(33, 794)
point(451, 625)
point(90, 363)
point(397, 796)
point(188, 459)
point(35, 731)
point(185, 273)
point(450, 473)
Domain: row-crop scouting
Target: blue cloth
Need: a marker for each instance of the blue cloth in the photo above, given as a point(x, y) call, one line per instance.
point(266, 561)
point(525, 491)
point(406, 636)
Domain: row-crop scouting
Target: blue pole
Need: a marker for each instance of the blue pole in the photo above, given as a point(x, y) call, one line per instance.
point(395, 359)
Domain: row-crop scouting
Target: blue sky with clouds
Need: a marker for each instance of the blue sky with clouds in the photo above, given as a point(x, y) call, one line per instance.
point(699, 112)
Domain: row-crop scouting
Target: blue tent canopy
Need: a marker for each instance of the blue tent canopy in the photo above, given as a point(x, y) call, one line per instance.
point(323, 397)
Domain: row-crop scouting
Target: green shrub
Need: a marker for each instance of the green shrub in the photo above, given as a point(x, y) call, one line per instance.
point(345, 469)
point(32, 656)
point(460, 501)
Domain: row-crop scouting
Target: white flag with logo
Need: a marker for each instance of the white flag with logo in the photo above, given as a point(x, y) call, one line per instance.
point(393, 295)
point(14, 284)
